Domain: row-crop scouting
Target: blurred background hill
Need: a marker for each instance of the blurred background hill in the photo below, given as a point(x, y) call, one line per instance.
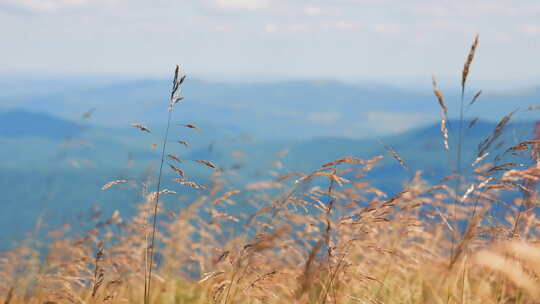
point(62, 140)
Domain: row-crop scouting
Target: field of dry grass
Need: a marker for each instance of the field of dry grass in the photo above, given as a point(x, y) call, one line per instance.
point(325, 236)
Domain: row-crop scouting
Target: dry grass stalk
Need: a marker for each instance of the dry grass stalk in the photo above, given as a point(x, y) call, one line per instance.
point(99, 273)
point(174, 98)
point(469, 235)
point(9, 296)
point(486, 144)
point(307, 274)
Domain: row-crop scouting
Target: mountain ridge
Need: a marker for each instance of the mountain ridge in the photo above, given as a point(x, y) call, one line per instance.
point(297, 109)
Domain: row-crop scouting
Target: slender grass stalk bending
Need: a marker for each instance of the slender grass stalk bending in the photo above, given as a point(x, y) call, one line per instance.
point(459, 170)
point(234, 275)
point(150, 249)
point(327, 233)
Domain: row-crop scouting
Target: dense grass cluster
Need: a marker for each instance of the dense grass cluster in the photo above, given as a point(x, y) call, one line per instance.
point(325, 236)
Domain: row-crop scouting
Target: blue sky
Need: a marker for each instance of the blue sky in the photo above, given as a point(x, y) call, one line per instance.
point(355, 40)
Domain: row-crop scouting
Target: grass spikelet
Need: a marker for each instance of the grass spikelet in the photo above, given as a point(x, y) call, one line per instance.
point(532, 108)
point(444, 113)
point(217, 215)
point(174, 157)
point(88, 114)
point(189, 184)
point(479, 159)
point(210, 276)
point(345, 160)
point(175, 91)
point(475, 97)
point(440, 97)
point(468, 192)
point(178, 171)
point(263, 277)
point(468, 62)
point(225, 196)
point(185, 143)
point(330, 175)
point(524, 145)
point(444, 131)
point(221, 257)
point(473, 122)
point(261, 211)
point(206, 163)
point(190, 126)
point(140, 127)
point(282, 153)
point(217, 292)
point(394, 198)
point(395, 155)
point(113, 183)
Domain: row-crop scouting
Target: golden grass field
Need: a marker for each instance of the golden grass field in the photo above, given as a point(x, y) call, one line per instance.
point(325, 236)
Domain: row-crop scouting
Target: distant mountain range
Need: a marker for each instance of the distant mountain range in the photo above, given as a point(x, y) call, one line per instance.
point(20, 123)
point(292, 110)
point(55, 167)
point(63, 139)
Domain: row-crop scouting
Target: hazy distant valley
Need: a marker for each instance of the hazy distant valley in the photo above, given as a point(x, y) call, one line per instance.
point(61, 144)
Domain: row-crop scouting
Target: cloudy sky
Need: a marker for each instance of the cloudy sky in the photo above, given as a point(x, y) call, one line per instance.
point(356, 40)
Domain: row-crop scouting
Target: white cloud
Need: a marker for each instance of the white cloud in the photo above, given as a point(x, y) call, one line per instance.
point(271, 28)
point(42, 5)
point(241, 4)
point(297, 27)
point(342, 25)
point(224, 28)
point(326, 118)
point(387, 28)
point(343, 37)
point(431, 10)
point(312, 10)
point(394, 122)
point(531, 29)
